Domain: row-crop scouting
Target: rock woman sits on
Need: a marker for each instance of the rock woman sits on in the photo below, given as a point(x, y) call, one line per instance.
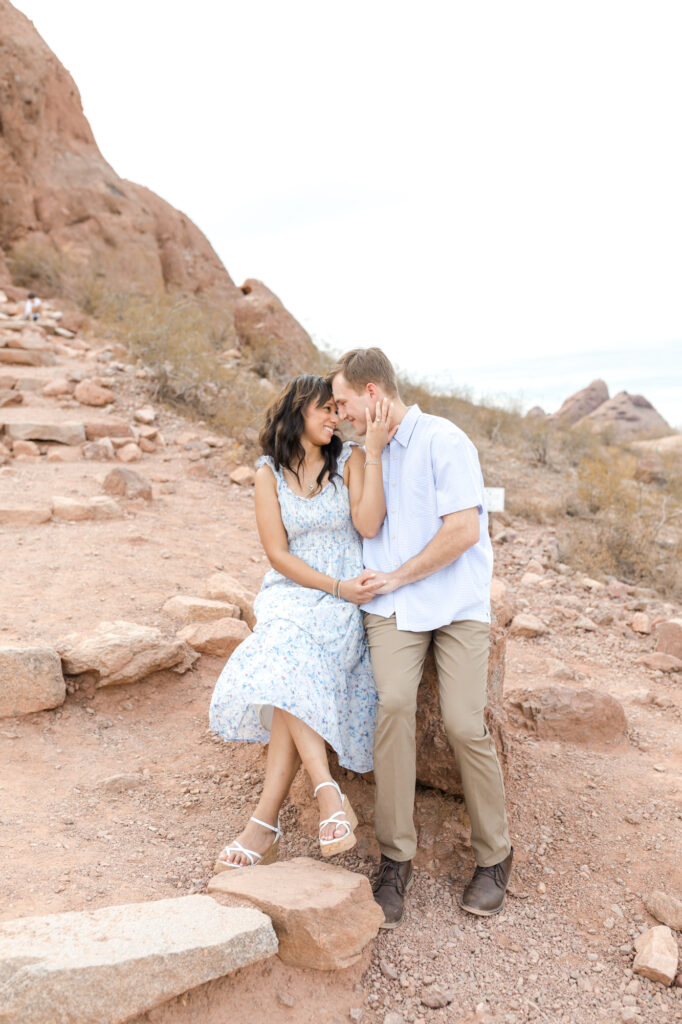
point(304, 678)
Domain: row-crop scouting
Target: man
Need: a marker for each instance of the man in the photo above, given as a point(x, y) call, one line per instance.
point(434, 560)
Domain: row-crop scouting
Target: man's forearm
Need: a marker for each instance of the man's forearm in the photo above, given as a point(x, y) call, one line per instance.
point(455, 536)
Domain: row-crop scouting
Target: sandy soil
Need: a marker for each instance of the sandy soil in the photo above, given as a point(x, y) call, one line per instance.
point(595, 828)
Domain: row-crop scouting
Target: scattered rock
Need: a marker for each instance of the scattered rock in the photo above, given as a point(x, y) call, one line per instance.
point(665, 908)
point(657, 955)
point(130, 452)
point(437, 996)
point(198, 609)
point(111, 427)
point(219, 637)
point(58, 386)
point(323, 915)
point(530, 579)
point(146, 415)
point(244, 476)
point(114, 963)
point(527, 625)
point(660, 662)
point(122, 652)
point(221, 587)
point(8, 396)
point(575, 716)
point(63, 453)
point(586, 624)
point(20, 357)
point(669, 637)
point(641, 623)
point(25, 448)
point(89, 393)
point(535, 567)
point(30, 680)
point(121, 783)
point(128, 484)
point(101, 451)
point(78, 509)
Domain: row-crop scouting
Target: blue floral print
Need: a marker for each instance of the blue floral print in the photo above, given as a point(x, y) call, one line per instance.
point(308, 654)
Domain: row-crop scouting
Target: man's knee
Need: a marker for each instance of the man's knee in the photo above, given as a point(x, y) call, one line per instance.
point(463, 730)
point(394, 704)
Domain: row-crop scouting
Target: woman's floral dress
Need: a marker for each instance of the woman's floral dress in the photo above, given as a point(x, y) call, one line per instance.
point(308, 653)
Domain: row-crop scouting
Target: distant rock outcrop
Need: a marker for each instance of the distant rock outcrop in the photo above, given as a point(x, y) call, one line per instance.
point(582, 403)
point(623, 417)
point(626, 417)
point(62, 204)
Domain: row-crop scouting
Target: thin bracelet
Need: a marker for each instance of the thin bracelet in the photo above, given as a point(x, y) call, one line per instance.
point(338, 590)
point(372, 462)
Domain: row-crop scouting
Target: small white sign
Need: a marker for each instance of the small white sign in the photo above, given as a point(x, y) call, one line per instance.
point(494, 499)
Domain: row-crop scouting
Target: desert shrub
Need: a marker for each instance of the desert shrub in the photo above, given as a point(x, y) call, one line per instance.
point(37, 267)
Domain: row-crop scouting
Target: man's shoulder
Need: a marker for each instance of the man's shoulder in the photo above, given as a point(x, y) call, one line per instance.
point(438, 426)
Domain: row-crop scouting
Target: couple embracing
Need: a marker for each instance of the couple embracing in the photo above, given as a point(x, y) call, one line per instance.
point(376, 553)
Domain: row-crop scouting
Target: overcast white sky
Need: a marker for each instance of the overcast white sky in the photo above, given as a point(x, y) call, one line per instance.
point(483, 189)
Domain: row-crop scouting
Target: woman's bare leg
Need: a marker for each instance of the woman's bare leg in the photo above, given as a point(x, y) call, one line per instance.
point(282, 764)
point(313, 753)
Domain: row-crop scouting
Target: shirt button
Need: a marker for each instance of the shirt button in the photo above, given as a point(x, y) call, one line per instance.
point(392, 536)
point(393, 485)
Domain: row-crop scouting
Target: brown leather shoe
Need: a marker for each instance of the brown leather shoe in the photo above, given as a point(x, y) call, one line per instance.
point(485, 893)
point(391, 881)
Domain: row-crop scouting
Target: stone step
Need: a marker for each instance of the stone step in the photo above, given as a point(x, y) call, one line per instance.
point(22, 357)
point(30, 680)
point(105, 966)
point(66, 432)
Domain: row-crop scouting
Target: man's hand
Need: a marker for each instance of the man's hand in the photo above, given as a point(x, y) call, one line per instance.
point(379, 432)
point(386, 583)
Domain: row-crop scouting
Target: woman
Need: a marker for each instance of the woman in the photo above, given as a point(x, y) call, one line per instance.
point(304, 674)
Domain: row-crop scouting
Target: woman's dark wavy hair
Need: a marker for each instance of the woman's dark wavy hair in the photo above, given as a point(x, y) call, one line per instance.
point(280, 437)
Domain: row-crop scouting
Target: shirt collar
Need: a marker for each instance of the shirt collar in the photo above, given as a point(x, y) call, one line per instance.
point(407, 425)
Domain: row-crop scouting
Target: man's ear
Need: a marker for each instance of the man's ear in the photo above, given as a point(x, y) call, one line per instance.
point(372, 391)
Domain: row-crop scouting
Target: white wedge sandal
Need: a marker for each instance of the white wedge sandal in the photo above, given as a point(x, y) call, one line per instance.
point(269, 857)
point(345, 817)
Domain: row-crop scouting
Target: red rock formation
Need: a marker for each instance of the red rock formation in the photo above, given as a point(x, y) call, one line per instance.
point(61, 203)
point(582, 403)
point(625, 417)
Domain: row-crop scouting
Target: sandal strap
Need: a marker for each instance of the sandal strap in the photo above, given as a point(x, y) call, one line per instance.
point(236, 847)
point(330, 783)
point(273, 828)
point(333, 821)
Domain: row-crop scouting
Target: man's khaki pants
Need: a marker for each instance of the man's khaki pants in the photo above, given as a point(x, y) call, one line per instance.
point(461, 654)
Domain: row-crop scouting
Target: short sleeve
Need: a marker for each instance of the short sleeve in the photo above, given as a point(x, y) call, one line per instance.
point(344, 456)
point(457, 474)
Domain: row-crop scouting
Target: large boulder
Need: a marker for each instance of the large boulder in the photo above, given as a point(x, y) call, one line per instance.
point(108, 965)
point(122, 652)
point(560, 713)
point(30, 680)
point(656, 955)
point(268, 333)
point(323, 915)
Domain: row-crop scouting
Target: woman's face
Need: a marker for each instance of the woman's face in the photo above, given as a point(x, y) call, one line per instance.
point(320, 421)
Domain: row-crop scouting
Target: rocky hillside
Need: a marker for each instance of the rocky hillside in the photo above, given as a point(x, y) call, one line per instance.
point(67, 218)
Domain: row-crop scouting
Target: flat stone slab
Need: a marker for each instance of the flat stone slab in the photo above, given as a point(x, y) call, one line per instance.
point(24, 515)
point(105, 966)
point(23, 357)
point(219, 637)
point(30, 680)
point(324, 916)
point(21, 429)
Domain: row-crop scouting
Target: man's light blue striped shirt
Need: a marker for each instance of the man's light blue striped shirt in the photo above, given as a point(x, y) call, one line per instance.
point(430, 469)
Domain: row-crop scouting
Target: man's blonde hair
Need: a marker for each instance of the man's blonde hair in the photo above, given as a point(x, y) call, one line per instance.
point(363, 366)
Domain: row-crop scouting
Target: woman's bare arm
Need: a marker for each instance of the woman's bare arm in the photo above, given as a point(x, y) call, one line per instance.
point(276, 544)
